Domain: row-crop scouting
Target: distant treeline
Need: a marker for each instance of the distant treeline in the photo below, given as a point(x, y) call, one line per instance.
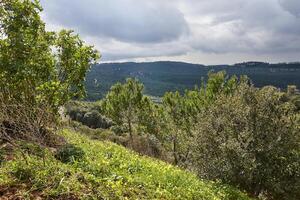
point(161, 77)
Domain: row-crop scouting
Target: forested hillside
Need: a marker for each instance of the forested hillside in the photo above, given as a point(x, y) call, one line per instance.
point(161, 77)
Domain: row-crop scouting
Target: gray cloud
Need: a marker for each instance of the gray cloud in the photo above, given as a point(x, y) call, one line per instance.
point(124, 20)
point(244, 26)
point(135, 29)
point(292, 6)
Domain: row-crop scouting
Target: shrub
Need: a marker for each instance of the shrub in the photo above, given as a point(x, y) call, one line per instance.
point(94, 119)
point(20, 120)
point(33, 149)
point(118, 130)
point(22, 172)
point(88, 114)
point(250, 139)
point(70, 153)
point(32, 70)
point(99, 134)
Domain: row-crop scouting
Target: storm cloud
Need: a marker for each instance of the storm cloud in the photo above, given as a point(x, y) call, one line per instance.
point(188, 30)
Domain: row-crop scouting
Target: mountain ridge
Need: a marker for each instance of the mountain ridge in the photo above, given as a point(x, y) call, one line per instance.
point(162, 76)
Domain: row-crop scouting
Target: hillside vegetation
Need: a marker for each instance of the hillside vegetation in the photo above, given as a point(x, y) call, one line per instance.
point(102, 170)
point(226, 130)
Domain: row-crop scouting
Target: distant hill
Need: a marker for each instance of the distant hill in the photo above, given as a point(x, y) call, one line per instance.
point(159, 77)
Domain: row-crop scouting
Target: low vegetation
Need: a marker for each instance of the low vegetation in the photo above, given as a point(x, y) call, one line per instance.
point(89, 169)
point(88, 113)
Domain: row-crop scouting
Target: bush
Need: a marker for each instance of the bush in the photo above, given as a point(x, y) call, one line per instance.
point(35, 72)
point(33, 149)
point(88, 114)
point(23, 173)
point(94, 119)
point(69, 154)
point(20, 120)
point(118, 130)
point(250, 139)
point(99, 134)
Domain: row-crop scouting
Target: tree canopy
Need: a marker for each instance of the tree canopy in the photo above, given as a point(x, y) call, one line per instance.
point(37, 65)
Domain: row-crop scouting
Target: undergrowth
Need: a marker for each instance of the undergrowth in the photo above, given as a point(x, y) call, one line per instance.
point(105, 171)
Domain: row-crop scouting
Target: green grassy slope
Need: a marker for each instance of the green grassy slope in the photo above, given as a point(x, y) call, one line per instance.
point(107, 171)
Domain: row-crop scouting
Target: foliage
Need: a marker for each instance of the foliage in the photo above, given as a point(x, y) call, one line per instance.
point(181, 112)
point(107, 172)
point(95, 134)
point(119, 130)
point(150, 120)
point(69, 153)
point(38, 65)
point(251, 139)
point(229, 130)
point(293, 96)
point(88, 113)
point(124, 102)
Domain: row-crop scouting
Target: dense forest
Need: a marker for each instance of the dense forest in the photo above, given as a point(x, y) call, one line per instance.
point(161, 77)
point(221, 138)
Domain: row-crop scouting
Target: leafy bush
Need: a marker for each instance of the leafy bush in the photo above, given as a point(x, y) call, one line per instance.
point(70, 153)
point(94, 119)
point(118, 130)
point(20, 120)
point(147, 145)
point(39, 72)
point(250, 139)
point(32, 70)
point(99, 134)
point(88, 114)
point(180, 112)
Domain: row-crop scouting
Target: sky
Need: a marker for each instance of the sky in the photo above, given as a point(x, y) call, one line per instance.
point(195, 31)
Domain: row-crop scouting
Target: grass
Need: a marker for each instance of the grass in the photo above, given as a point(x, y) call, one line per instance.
point(106, 171)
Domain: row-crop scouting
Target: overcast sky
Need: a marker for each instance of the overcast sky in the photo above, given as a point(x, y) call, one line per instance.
point(197, 31)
